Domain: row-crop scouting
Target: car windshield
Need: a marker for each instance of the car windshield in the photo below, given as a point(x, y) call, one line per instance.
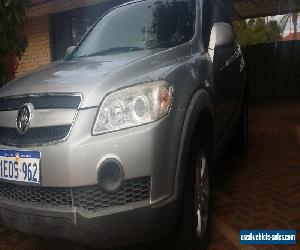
point(142, 25)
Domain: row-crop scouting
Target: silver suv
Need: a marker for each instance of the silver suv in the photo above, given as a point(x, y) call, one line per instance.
point(116, 143)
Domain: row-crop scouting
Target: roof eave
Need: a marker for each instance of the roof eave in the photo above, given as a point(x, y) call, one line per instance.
point(46, 7)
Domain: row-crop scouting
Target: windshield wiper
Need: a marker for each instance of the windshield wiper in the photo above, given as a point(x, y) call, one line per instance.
point(164, 45)
point(113, 51)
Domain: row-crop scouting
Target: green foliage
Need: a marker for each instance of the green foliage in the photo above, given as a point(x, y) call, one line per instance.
point(12, 43)
point(257, 30)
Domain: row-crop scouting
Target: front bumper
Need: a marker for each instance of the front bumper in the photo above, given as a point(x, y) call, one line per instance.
point(146, 151)
point(137, 222)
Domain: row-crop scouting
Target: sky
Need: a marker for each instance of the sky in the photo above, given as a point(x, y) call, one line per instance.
point(289, 27)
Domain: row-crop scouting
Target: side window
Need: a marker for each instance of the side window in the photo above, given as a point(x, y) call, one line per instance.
point(222, 17)
point(217, 29)
point(207, 21)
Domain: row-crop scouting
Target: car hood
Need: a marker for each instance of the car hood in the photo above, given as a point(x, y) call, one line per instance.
point(93, 77)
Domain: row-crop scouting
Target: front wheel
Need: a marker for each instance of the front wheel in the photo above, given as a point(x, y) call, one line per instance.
point(202, 196)
point(196, 207)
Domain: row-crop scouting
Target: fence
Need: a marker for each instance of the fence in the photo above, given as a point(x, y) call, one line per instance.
point(274, 69)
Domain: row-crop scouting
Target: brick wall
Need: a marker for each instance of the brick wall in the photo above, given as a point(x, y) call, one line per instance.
point(38, 51)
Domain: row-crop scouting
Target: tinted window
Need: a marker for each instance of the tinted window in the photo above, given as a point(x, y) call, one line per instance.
point(221, 16)
point(220, 13)
point(142, 25)
point(213, 14)
point(207, 21)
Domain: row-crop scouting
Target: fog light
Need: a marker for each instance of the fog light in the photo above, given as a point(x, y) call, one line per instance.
point(110, 175)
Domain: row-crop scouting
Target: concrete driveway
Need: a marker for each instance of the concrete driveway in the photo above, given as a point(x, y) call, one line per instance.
point(259, 190)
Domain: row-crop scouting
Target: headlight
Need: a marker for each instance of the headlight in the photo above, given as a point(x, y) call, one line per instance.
point(133, 106)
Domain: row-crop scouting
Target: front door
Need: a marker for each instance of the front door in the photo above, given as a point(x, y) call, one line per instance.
point(226, 67)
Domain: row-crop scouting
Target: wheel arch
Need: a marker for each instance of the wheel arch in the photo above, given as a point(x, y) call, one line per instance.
point(199, 116)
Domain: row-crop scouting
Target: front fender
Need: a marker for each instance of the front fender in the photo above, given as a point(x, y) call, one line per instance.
point(200, 101)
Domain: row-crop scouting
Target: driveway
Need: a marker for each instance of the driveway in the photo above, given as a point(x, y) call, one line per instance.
point(259, 190)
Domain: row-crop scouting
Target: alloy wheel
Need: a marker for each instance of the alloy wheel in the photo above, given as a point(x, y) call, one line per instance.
point(201, 195)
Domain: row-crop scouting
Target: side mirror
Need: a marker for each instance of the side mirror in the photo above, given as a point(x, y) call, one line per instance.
point(224, 35)
point(69, 51)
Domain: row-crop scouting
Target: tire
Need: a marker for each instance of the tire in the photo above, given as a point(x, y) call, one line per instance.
point(195, 223)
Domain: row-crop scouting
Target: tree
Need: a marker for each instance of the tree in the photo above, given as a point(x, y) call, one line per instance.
point(285, 20)
point(257, 30)
point(12, 42)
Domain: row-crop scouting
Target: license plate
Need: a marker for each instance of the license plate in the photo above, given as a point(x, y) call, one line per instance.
point(20, 166)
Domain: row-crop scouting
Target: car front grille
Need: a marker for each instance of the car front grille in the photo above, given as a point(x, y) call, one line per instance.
point(38, 135)
point(38, 195)
point(93, 198)
point(43, 135)
point(89, 198)
point(42, 101)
